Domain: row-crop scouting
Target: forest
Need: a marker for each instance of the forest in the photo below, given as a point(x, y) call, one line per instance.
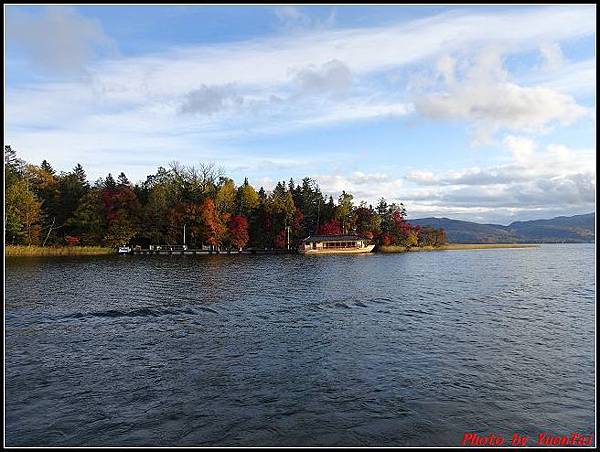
point(46, 208)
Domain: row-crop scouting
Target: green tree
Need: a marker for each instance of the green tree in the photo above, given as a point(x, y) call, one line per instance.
point(247, 198)
point(47, 167)
point(72, 187)
point(344, 211)
point(79, 173)
point(23, 213)
point(367, 222)
point(122, 180)
point(120, 231)
point(13, 166)
point(309, 199)
point(46, 188)
point(225, 198)
point(109, 182)
point(155, 217)
point(88, 222)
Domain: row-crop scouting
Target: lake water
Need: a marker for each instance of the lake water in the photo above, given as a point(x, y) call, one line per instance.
point(363, 350)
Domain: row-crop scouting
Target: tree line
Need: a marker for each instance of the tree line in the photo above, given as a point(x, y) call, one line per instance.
point(43, 207)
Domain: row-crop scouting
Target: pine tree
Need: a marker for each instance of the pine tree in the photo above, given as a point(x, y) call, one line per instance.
point(262, 194)
point(13, 166)
point(48, 168)
point(123, 181)
point(109, 182)
point(80, 174)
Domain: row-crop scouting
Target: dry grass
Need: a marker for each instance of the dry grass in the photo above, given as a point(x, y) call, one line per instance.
point(17, 250)
point(485, 246)
point(455, 246)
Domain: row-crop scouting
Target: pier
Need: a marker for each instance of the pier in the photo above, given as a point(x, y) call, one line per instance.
point(183, 250)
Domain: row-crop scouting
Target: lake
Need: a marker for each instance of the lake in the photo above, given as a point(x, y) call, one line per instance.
point(356, 350)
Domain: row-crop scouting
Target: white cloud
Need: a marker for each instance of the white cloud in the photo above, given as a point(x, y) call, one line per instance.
point(552, 56)
point(490, 101)
point(556, 179)
point(446, 66)
point(58, 38)
point(577, 78)
point(526, 165)
point(332, 78)
point(294, 18)
point(522, 148)
point(285, 13)
point(267, 61)
point(213, 99)
point(364, 187)
point(357, 110)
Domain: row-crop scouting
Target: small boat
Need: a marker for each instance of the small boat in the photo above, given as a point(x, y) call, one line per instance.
point(339, 244)
point(124, 250)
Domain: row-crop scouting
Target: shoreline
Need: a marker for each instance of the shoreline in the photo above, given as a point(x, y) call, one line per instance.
point(36, 251)
point(455, 247)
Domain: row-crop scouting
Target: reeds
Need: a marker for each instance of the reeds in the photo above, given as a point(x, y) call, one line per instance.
point(20, 250)
point(454, 246)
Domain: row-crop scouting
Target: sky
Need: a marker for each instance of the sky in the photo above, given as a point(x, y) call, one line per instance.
point(478, 113)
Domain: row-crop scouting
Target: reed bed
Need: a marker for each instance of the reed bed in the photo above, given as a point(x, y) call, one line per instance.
point(18, 250)
point(455, 246)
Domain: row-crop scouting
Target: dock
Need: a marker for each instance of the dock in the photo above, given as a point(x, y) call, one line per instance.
point(178, 250)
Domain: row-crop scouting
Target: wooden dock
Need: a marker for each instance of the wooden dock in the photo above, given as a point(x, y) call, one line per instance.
point(202, 252)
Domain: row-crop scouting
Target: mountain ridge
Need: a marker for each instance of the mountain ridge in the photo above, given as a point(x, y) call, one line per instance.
point(561, 229)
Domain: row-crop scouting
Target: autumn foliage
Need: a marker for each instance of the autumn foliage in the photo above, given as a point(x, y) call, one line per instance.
point(238, 231)
point(332, 227)
point(198, 205)
point(213, 227)
point(72, 241)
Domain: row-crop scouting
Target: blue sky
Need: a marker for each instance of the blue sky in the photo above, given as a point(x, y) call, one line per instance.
point(481, 113)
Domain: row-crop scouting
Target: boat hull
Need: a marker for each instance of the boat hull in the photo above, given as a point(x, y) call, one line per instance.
point(366, 249)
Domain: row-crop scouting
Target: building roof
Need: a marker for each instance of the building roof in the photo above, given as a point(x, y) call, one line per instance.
point(332, 238)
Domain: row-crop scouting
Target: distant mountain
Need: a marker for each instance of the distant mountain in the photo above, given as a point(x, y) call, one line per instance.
point(575, 229)
point(578, 228)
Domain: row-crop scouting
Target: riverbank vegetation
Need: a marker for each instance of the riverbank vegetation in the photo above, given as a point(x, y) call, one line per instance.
point(24, 250)
point(454, 246)
point(49, 209)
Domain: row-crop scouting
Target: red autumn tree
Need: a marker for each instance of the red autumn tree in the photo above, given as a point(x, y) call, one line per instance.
point(386, 239)
point(72, 241)
point(120, 210)
point(238, 231)
point(298, 219)
point(405, 234)
point(281, 239)
point(331, 228)
point(213, 227)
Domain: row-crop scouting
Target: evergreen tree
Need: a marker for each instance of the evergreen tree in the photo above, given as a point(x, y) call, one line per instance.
point(247, 199)
point(47, 167)
point(72, 187)
point(262, 194)
point(88, 221)
point(80, 175)
point(109, 182)
point(13, 166)
point(123, 181)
